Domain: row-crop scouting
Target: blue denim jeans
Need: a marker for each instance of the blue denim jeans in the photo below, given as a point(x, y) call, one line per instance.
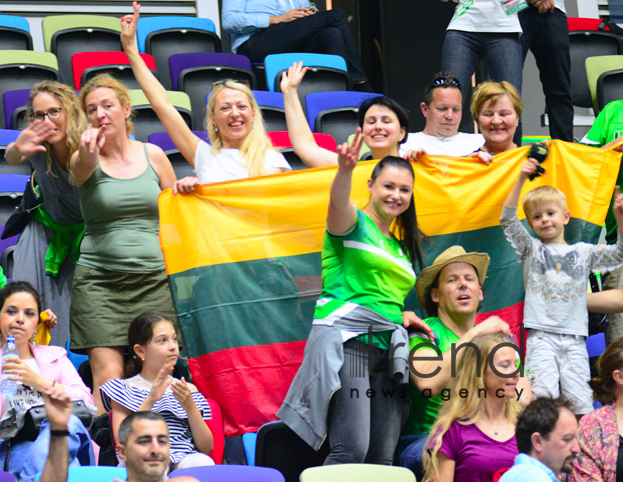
point(410, 450)
point(28, 458)
point(502, 53)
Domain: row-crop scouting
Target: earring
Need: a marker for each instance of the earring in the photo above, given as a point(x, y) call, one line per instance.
point(253, 125)
point(142, 359)
point(215, 128)
point(33, 340)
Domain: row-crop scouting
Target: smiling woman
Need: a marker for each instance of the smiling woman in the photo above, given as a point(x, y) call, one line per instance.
point(497, 107)
point(46, 144)
point(368, 261)
point(240, 147)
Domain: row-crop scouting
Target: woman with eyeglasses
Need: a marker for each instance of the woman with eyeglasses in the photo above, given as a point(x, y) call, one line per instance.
point(383, 124)
point(240, 147)
point(120, 272)
point(49, 245)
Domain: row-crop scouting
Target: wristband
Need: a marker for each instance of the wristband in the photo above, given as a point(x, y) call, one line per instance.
point(59, 433)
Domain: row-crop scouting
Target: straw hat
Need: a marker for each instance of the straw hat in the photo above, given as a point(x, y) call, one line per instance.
point(454, 254)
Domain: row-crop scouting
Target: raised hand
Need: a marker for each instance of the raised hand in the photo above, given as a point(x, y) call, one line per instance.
point(348, 155)
point(492, 326)
point(161, 383)
point(182, 393)
point(293, 77)
point(31, 139)
point(128, 27)
point(528, 168)
point(57, 407)
point(91, 141)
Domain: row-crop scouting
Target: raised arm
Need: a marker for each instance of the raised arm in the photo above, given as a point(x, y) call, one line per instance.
point(609, 301)
point(301, 136)
point(202, 435)
point(180, 133)
point(29, 142)
point(342, 213)
point(527, 169)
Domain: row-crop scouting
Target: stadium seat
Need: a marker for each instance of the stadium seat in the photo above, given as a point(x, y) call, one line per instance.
point(584, 44)
point(6, 477)
point(335, 113)
point(6, 137)
point(23, 68)
point(609, 87)
point(92, 473)
point(273, 113)
point(358, 472)
point(180, 165)
point(87, 65)
point(281, 140)
point(574, 24)
point(75, 358)
point(65, 35)
point(279, 447)
point(326, 72)
point(11, 191)
point(14, 33)
point(15, 108)
point(596, 345)
point(249, 441)
point(164, 36)
point(146, 121)
point(595, 67)
point(194, 73)
point(218, 433)
point(230, 473)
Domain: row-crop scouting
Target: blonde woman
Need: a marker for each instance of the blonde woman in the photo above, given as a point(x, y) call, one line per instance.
point(120, 273)
point(474, 434)
point(47, 143)
point(240, 147)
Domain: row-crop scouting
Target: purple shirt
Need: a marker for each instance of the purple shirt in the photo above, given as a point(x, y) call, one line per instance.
point(477, 456)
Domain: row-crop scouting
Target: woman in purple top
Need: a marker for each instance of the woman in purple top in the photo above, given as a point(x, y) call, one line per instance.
point(474, 434)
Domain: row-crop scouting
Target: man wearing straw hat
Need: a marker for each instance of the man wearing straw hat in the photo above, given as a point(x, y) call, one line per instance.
point(450, 291)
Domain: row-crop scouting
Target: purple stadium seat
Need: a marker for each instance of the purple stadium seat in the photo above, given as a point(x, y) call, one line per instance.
point(194, 73)
point(15, 100)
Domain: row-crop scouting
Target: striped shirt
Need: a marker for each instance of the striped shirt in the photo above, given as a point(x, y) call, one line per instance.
point(130, 393)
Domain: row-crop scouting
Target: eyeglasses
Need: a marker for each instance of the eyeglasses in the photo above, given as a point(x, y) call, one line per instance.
point(446, 81)
point(312, 7)
point(53, 114)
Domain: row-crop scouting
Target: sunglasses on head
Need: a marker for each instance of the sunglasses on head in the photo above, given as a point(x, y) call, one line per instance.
point(439, 81)
point(223, 81)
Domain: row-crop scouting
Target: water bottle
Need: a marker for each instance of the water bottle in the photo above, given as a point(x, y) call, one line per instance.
point(9, 387)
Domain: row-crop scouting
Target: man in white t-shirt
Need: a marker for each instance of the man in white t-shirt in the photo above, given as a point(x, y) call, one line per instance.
point(443, 108)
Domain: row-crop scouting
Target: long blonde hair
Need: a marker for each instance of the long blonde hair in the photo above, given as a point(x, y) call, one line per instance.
point(254, 147)
point(469, 376)
point(107, 80)
point(76, 120)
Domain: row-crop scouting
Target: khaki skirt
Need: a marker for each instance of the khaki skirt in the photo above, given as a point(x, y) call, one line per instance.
point(104, 303)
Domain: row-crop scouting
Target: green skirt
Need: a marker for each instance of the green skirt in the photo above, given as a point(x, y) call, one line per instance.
point(104, 303)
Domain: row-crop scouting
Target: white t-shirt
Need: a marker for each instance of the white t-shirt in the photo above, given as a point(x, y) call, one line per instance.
point(461, 144)
point(227, 166)
point(25, 397)
point(483, 16)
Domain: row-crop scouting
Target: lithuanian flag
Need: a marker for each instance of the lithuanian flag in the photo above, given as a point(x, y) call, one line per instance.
point(244, 258)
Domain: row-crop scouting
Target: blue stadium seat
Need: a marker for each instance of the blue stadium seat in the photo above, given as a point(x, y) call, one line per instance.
point(327, 72)
point(14, 33)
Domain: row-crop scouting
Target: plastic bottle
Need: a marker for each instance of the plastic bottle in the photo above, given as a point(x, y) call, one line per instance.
point(9, 387)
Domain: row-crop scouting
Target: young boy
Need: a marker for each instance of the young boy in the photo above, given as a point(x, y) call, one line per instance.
point(555, 279)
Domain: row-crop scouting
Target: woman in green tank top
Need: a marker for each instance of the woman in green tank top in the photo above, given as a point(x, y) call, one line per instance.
point(120, 273)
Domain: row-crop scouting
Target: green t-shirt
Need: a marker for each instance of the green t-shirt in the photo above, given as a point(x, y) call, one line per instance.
point(425, 408)
point(365, 268)
point(607, 127)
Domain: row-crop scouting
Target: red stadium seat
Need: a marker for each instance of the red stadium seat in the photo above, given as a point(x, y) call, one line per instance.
point(216, 426)
point(87, 64)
